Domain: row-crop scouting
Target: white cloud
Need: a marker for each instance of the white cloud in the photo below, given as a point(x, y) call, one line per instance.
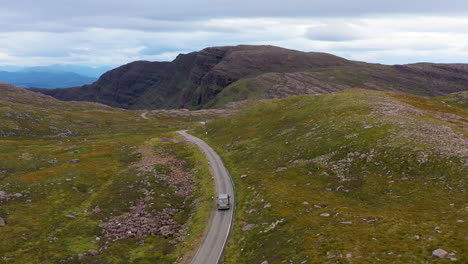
point(97, 41)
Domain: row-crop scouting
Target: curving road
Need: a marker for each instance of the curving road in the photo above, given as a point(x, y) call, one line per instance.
point(212, 248)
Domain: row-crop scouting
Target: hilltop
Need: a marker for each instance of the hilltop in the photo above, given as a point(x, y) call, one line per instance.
point(219, 75)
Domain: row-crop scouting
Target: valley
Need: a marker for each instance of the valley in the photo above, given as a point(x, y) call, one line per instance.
point(324, 172)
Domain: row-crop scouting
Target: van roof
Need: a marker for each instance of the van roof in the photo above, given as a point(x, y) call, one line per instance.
point(223, 196)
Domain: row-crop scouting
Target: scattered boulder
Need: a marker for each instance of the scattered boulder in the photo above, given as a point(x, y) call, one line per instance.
point(281, 169)
point(96, 210)
point(273, 225)
point(325, 215)
point(2, 222)
point(439, 253)
point(264, 262)
point(346, 222)
point(93, 252)
point(305, 203)
point(267, 205)
point(243, 176)
point(166, 231)
point(53, 161)
point(70, 216)
point(248, 227)
point(74, 161)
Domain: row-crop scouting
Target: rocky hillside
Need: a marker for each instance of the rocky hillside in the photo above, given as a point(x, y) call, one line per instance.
point(355, 176)
point(215, 76)
point(83, 182)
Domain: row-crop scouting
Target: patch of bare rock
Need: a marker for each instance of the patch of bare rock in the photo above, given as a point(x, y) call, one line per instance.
point(4, 196)
point(141, 223)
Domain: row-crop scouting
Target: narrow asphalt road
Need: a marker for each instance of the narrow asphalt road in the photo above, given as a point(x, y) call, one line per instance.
point(212, 248)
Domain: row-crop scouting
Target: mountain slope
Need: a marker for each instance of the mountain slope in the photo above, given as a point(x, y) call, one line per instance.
point(356, 176)
point(216, 76)
point(420, 79)
point(193, 79)
point(44, 79)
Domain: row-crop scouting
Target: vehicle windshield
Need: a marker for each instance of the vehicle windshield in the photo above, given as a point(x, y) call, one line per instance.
point(223, 200)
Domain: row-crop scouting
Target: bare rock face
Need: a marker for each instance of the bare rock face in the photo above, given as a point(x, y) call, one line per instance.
point(439, 253)
point(2, 222)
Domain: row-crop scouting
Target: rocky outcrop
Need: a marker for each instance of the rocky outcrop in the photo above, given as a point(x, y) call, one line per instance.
point(140, 223)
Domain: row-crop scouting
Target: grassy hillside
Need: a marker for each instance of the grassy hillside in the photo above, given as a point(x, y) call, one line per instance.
point(417, 79)
point(86, 183)
point(356, 176)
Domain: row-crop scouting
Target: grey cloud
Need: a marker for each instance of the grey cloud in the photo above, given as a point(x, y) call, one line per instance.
point(180, 9)
point(333, 32)
point(112, 32)
point(157, 15)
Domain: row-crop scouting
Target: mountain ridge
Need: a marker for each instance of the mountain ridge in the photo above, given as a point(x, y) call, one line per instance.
point(215, 76)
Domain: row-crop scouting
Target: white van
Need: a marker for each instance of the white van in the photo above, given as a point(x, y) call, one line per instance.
point(223, 202)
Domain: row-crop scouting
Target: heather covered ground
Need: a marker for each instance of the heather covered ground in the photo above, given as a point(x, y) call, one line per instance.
point(356, 176)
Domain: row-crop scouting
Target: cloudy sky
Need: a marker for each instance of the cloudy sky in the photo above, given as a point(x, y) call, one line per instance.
point(114, 32)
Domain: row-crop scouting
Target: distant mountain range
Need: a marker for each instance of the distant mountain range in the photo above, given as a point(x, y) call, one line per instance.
point(95, 72)
point(216, 76)
point(45, 79)
point(52, 76)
